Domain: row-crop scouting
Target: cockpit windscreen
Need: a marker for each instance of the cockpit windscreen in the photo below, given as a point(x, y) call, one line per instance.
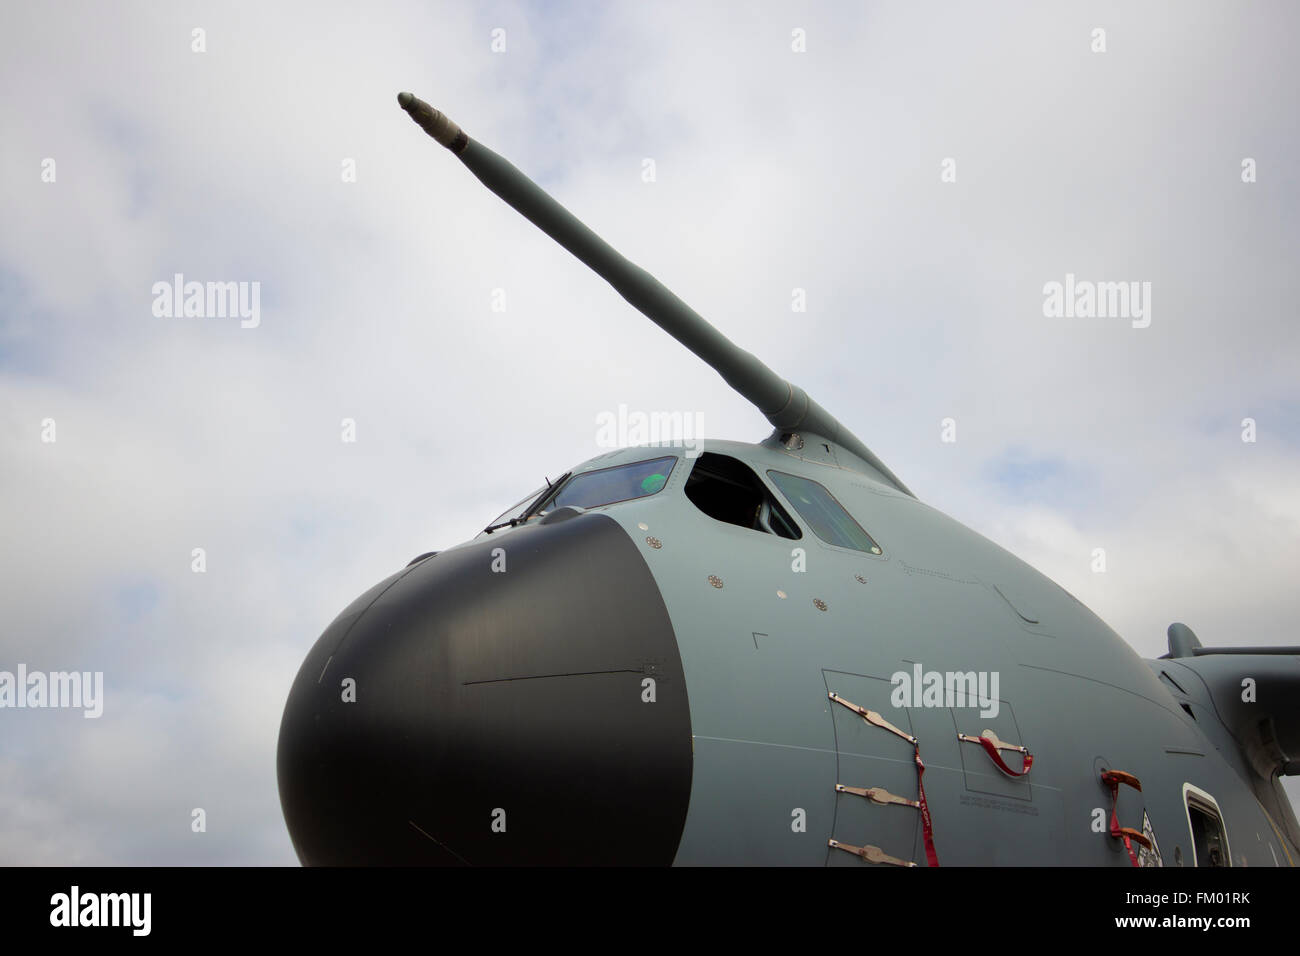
point(619, 483)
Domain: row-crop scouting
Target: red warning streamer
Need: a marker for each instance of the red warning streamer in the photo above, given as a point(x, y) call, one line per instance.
point(926, 829)
point(873, 718)
point(1112, 779)
point(991, 744)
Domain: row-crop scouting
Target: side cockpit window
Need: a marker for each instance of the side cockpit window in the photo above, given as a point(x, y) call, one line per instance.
point(610, 485)
point(514, 514)
point(727, 489)
point(827, 518)
point(516, 509)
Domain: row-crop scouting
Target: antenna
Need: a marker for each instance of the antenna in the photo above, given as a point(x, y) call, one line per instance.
point(786, 406)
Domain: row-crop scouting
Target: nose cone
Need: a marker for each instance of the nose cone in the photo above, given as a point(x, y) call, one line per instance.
point(519, 700)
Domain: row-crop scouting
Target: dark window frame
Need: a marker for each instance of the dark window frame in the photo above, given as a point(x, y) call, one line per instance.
point(716, 466)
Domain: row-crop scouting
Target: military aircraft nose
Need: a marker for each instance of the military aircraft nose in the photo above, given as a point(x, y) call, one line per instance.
point(519, 700)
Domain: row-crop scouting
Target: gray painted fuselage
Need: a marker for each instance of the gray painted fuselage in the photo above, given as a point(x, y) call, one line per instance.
point(768, 628)
point(761, 652)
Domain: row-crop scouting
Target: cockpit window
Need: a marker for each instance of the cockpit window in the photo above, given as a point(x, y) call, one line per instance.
point(827, 518)
point(619, 483)
point(727, 490)
point(515, 510)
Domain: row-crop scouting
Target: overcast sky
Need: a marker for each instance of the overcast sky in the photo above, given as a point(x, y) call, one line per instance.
point(774, 170)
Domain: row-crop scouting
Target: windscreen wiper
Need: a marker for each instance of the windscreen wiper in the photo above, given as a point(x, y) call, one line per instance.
point(532, 508)
point(544, 496)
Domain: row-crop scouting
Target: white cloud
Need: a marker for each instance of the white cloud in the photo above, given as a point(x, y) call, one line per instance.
point(775, 170)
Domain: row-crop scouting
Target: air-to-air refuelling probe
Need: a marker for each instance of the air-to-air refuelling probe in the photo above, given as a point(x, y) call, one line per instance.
point(762, 654)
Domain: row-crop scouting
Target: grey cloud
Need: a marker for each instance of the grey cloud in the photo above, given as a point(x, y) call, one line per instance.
point(819, 171)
